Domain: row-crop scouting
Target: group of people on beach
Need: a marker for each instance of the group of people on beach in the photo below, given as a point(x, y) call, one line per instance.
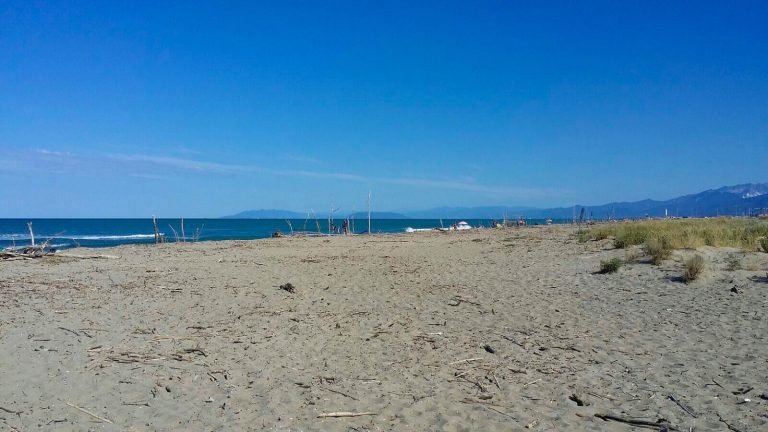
point(343, 229)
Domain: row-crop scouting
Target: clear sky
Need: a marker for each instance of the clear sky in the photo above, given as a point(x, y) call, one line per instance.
point(128, 109)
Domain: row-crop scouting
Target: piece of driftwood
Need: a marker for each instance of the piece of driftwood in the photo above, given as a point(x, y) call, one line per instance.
point(39, 252)
point(682, 405)
point(89, 413)
point(345, 414)
point(466, 360)
point(661, 423)
point(730, 426)
point(10, 411)
point(339, 392)
point(87, 256)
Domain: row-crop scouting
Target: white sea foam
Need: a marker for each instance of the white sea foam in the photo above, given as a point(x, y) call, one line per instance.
point(22, 237)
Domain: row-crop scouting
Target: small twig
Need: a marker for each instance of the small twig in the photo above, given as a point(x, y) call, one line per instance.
point(338, 392)
point(466, 360)
point(89, 413)
point(136, 403)
point(513, 341)
point(633, 422)
point(196, 351)
point(71, 331)
point(345, 414)
point(532, 382)
point(10, 411)
point(600, 396)
point(682, 406)
point(730, 426)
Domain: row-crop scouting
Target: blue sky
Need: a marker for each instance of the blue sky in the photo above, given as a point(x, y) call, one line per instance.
point(127, 109)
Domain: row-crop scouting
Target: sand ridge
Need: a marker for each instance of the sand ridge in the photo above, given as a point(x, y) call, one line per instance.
point(483, 330)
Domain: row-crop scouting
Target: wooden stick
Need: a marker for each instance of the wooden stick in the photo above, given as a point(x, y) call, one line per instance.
point(466, 360)
point(345, 414)
point(639, 423)
point(338, 392)
point(682, 406)
point(157, 232)
point(730, 426)
point(87, 256)
point(10, 411)
point(89, 413)
point(31, 234)
point(533, 382)
point(71, 331)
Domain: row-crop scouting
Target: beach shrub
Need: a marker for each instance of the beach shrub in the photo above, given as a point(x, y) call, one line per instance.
point(658, 249)
point(610, 266)
point(764, 245)
point(631, 256)
point(692, 268)
point(733, 263)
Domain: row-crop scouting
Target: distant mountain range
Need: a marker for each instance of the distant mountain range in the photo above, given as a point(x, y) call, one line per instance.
point(286, 214)
point(741, 199)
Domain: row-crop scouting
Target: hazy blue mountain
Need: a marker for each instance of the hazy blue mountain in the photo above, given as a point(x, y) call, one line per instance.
point(267, 214)
point(729, 200)
point(488, 212)
point(377, 215)
point(287, 214)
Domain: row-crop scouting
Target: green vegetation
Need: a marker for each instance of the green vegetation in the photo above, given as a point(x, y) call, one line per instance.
point(631, 256)
point(610, 266)
point(746, 234)
point(733, 263)
point(693, 268)
point(658, 249)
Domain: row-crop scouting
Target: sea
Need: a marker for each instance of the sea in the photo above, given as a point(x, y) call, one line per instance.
point(71, 233)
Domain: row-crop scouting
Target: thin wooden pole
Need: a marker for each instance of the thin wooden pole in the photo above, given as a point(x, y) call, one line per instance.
point(369, 212)
point(31, 234)
point(157, 232)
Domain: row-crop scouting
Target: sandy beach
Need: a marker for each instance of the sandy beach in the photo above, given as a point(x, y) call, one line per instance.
point(481, 330)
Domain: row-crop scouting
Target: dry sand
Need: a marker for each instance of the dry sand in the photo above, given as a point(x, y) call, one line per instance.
point(201, 337)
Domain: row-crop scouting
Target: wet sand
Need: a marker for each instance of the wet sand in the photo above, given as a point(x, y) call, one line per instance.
point(483, 330)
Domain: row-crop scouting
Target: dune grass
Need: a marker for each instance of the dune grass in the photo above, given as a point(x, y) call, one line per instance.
point(746, 234)
point(610, 266)
point(692, 268)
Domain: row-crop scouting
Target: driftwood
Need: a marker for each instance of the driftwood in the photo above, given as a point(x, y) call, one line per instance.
point(89, 413)
point(40, 252)
point(661, 423)
point(345, 414)
point(682, 406)
point(730, 426)
point(88, 256)
point(10, 411)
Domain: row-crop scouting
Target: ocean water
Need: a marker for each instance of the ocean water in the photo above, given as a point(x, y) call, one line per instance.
point(69, 233)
